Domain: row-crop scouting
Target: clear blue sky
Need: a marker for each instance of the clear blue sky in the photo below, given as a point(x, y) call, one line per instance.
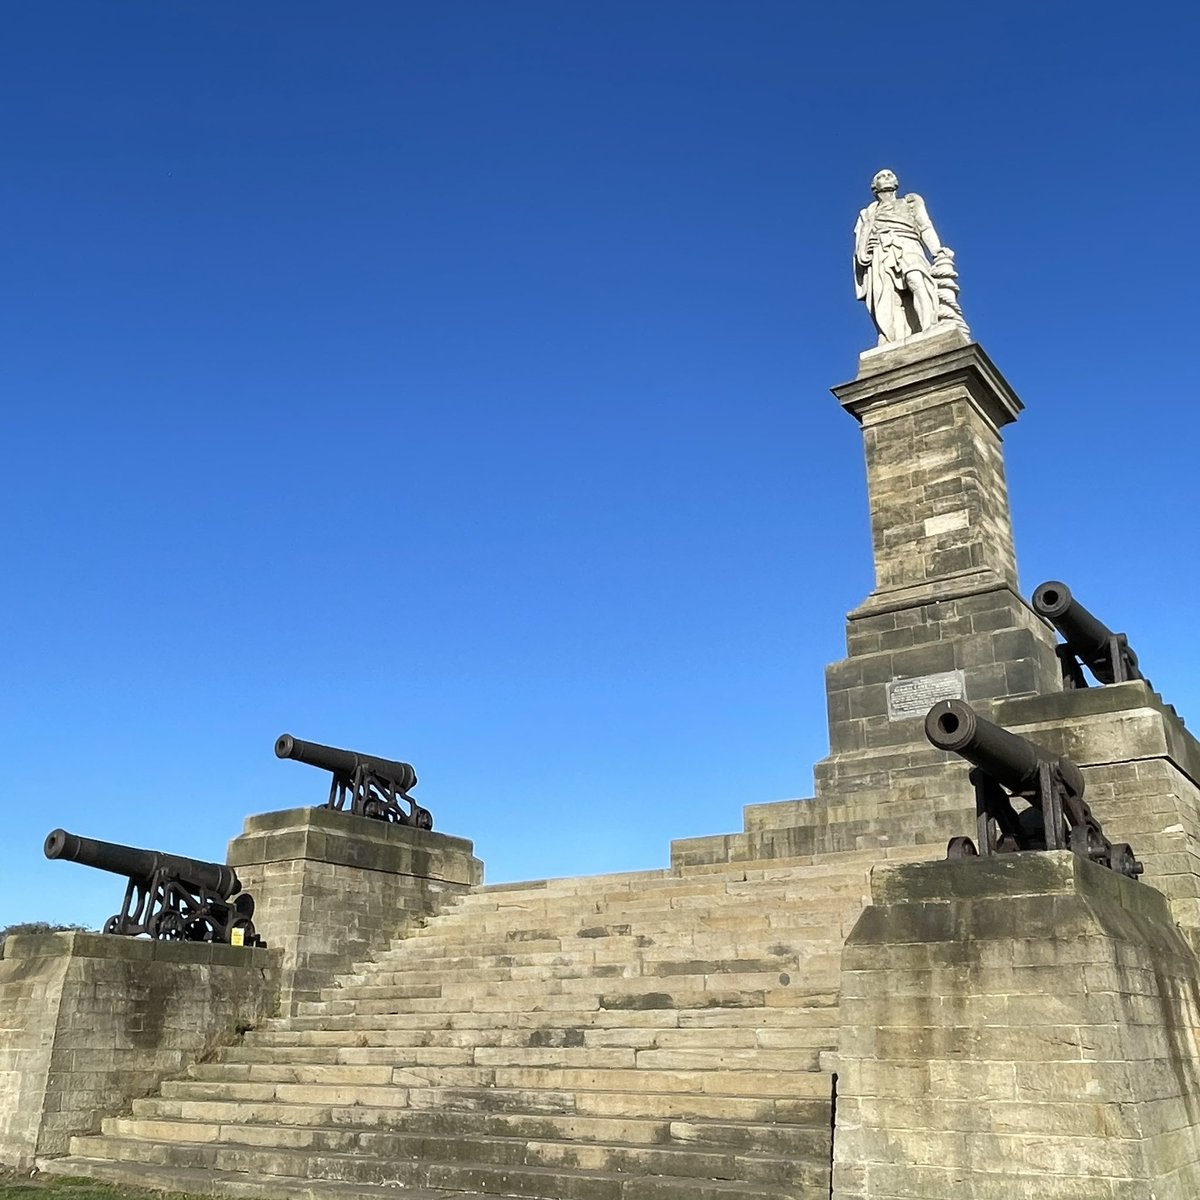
point(450, 381)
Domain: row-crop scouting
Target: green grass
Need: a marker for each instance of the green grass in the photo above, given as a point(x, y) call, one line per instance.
point(47, 1187)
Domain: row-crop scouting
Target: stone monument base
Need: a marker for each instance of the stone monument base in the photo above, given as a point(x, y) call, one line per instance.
point(1023, 1025)
point(331, 888)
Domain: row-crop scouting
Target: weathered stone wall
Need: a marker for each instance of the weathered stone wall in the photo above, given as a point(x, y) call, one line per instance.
point(30, 996)
point(89, 1022)
point(1024, 1025)
point(331, 889)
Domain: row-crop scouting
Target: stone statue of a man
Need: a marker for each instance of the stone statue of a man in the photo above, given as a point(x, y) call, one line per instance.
point(904, 291)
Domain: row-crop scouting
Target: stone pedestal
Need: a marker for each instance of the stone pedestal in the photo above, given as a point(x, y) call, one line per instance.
point(940, 521)
point(1017, 1026)
point(89, 1022)
point(331, 888)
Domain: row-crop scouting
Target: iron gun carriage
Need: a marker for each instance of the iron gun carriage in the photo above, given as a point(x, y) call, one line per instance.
point(1087, 641)
point(371, 785)
point(168, 897)
point(1008, 767)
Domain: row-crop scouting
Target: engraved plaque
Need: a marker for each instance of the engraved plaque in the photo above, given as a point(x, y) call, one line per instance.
point(908, 698)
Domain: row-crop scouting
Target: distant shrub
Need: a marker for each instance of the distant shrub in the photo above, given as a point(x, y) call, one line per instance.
point(38, 927)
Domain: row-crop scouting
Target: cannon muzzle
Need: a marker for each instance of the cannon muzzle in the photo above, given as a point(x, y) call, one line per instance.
point(346, 763)
point(141, 865)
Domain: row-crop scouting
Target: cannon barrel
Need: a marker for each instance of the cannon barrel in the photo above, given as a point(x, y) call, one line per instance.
point(344, 763)
point(142, 864)
point(1010, 759)
point(1087, 637)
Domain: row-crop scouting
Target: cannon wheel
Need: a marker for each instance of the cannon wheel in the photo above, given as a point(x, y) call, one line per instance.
point(112, 925)
point(1122, 860)
point(167, 926)
point(961, 847)
point(200, 929)
point(1087, 842)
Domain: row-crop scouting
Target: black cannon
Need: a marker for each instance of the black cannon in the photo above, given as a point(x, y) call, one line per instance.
point(170, 898)
point(1008, 767)
point(372, 785)
point(1087, 641)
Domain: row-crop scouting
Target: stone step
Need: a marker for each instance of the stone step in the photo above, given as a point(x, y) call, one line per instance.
point(623, 994)
point(451, 955)
point(593, 889)
point(821, 947)
point(416, 969)
point(291, 1046)
point(336, 1074)
point(813, 866)
point(809, 1119)
point(738, 1073)
point(803, 1160)
point(798, 1053)
point(220, 1113)
point(806, 1008)
point(576, 883)
point(499, 964)
point(568, 1182)
point(737, 887)
point(804, 886)
point(789, 1102)
point(795, 904)
point(465, 994)
point(725, 935)
point(584, 956)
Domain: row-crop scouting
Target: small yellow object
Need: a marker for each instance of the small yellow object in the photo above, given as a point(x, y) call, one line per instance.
point(237, 936)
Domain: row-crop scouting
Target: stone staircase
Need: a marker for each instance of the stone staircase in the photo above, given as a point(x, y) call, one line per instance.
point(645, 1036)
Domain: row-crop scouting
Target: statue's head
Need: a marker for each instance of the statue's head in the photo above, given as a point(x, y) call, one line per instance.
point(884, 181)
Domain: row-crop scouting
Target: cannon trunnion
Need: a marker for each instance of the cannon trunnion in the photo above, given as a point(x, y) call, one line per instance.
point(372, 786)
point(168, 897)
point(1007, 767)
